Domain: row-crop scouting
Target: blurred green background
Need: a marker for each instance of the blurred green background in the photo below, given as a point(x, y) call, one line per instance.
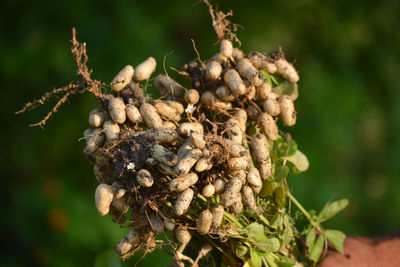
point(348, 56)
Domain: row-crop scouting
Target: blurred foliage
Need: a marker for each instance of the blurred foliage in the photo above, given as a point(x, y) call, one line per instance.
point(348, 56)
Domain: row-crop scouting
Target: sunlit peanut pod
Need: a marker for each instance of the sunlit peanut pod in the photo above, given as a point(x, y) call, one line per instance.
point(111, 130)
point(166, 111)
point(235, 150)
point(240, 163)
point(234, 131)
point(208, 190)
point(265, 169)
point(240, 174)
point(116, 108)
point(185, 128)
point(164, 155)
point(144, 178)
point(144, 70)
point(263, 91)
point(97, 118)
point(246, 69)
point(184, 149)
point(217, 216)
point(235, 82)
point(288, 113)
point(103, 198)
point(256, 189)
point(220, 58)
point(241, 116)
point(169, 124)
point(263, 62)
point(162, 135)
point(219, 185)
point(176, 105)
point(237, 205)
point(268, 126)
point(95, 140)
point(286, 70)
point(237, 54)
point(225, 93)
point(122, 79)
point(150, 115)
point(128, 242)
point(226, 48)
point(133, 113)
point(251, 92)
point(213, 70)
point(202, 165)
point(204, 222)
point(182, 235)
point(189, 160)
point(182, 202)
point(197, 140)
point(271, 105)
point(192, 96)
point(248, 197)
point(233, 187)
point(260, 147)
point(253, 177)
point(212, 102)
point(183, 182)
point(169, 224)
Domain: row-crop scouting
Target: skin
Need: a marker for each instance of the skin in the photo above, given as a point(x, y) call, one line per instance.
point(361, 251)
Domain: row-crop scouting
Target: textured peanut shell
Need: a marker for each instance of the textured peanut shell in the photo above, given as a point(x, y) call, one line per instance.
point(116, 108)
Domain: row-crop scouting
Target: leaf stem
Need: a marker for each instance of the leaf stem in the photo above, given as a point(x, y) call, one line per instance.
point(299, 206)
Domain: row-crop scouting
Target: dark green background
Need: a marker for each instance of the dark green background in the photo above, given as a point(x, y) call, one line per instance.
point(348, 56)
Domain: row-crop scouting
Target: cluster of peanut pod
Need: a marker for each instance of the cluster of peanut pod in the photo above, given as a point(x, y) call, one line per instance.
point(158, 157)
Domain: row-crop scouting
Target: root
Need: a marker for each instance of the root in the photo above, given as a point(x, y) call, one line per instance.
point(78, 51)
point(222, 26)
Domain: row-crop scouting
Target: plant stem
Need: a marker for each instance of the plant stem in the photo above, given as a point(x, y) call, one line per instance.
point(232, 220)
point(299, 206)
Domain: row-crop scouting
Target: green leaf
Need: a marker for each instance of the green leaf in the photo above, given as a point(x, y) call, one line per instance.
point(255, 258)
point(241, 251)
point(285, 264)
point(316, 250)
point(274, 79)
point(255, 231)
point(276, 222)
point(286, 88)
point(267, 189)
point(270, 244)
point(337, 239)
point(280, 196)
point(331, 209)
point(266, 76)
point(299, 160)
point(310, 239)
point(285, 147)
point(281, 172)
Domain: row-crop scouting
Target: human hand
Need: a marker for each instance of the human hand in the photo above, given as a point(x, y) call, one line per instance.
point(360, 252)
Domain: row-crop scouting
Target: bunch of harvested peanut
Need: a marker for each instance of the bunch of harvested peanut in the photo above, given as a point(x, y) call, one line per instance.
point(206, 161)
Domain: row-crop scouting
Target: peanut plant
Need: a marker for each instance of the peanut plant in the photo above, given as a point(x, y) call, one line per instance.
point(208, 161)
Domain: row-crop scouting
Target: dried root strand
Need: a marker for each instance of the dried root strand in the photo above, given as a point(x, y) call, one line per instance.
point(222, 26)
point(78, 51)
